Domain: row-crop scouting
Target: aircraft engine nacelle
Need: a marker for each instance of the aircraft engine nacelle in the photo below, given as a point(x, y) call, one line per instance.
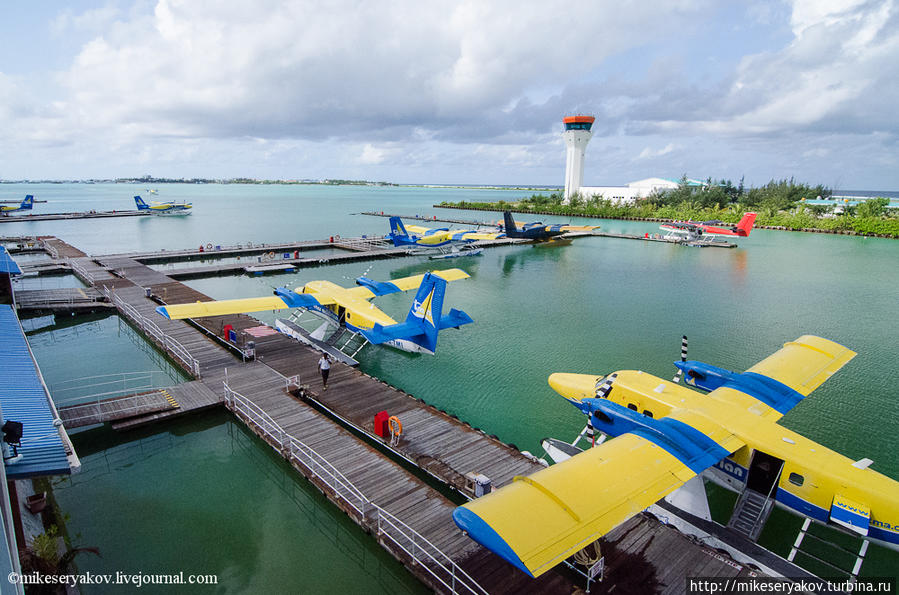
point(705, 376)
point(691, 447)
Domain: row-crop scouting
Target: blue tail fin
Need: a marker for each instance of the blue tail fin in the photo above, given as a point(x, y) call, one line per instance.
point(425, 318)
point(509, 226)
point(28, 203)
point(398, 233)
point(141, 205)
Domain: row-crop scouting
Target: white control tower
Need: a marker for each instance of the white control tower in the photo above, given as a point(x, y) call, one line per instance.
point(578, 132)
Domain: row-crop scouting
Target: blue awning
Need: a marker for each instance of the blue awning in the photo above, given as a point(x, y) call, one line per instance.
point(7, 264)
point(23, 398)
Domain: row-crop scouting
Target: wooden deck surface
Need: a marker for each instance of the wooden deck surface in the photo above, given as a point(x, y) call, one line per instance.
point(67, 299)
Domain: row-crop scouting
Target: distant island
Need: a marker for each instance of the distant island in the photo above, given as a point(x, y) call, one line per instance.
point(154, 180)
point(151, 180)
point(780, 204)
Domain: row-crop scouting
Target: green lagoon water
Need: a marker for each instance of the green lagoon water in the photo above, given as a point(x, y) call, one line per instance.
point(596, 305)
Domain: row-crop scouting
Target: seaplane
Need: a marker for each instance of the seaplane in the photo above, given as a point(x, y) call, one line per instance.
point(693, 231)
point(537, 230)
point(350, 308)
point(163, 208)
point(446, 241)
point(664, 435)
point(25, 205)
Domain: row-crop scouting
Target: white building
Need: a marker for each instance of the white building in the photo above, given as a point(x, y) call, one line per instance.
point(634, 190)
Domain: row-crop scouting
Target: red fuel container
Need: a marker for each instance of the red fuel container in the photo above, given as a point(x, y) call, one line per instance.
point(381, 428)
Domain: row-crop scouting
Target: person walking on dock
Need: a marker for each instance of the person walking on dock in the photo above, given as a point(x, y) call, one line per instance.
point(324, 366)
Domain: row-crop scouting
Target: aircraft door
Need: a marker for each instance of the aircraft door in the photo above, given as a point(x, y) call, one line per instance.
point(764, 472)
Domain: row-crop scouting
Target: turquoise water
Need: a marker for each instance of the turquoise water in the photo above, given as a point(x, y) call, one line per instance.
point(596, 305)
point(204, 497)
point(99, 356)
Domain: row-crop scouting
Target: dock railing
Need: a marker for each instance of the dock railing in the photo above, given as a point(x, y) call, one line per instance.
point(98, 388)
point(149, 327)
point(389, 528)
point(79, 270)
point(50, 249)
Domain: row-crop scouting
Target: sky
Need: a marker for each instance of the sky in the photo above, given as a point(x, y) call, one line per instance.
point(451, 92)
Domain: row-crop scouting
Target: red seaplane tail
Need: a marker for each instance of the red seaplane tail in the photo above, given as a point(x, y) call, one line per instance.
point(745, 224)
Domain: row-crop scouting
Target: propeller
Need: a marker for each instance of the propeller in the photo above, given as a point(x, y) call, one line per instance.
point(603, 389)
point(683, 358)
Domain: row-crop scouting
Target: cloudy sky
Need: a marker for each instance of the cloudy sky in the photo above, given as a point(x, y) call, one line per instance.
point(451, 92)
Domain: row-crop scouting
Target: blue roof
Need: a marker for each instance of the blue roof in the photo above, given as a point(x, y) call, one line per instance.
point(23, 398)
point(7, 264)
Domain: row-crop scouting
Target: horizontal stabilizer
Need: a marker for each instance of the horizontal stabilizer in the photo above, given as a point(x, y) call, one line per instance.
point(454, 319)
point(402, 330)
point(221, 308)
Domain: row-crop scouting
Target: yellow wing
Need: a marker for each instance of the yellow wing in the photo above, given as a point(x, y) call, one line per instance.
point(480, 235)
point(407, 283)
point(220, 308)
point(537, 521)
point(372, 289)
point(418, 229)
point(804, 364)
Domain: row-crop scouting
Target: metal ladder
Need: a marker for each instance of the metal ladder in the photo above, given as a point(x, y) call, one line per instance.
point(751, 513)
point(347, 341)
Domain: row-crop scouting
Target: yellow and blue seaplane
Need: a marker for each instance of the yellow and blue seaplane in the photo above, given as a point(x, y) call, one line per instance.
point(163, 208)
point(26, 205)
point(426, 237)
point(350, 308)
point(664, 435)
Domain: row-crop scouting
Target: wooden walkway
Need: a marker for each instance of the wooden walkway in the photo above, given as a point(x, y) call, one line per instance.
point(68, 299)
point(87, 414)
point(84, 215)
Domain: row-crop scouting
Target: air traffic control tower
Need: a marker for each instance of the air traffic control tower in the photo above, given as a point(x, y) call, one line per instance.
point(578, 131)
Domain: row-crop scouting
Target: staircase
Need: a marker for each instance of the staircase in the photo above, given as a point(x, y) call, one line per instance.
point(750, 514)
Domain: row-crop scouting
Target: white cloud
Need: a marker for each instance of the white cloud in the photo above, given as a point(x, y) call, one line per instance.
point(647, 152)
point(372, 155)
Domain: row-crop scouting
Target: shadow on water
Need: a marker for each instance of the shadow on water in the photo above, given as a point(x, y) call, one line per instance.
point(519, 259)
point(59, 322)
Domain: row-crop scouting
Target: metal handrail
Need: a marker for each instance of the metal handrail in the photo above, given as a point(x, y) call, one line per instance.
point(416, 538)
point(131, 382)
point(169, 343)
point(388, 525)
point(233, 397)
point(100, 417)
point(79, 269)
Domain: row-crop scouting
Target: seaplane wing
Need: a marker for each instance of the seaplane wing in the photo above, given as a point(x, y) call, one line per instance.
point(538, 521)
point(242, 306)
point(777, 383)
point(370, 288)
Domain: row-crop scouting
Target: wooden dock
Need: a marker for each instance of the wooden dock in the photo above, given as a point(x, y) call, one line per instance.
point(84, 215)
point(382, 495)
point(68, 299)
point(116, 408)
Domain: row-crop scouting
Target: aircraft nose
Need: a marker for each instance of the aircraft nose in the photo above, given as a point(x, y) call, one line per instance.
point(574, 387)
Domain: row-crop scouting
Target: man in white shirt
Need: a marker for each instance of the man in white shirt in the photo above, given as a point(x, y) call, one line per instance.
point(324, 366)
